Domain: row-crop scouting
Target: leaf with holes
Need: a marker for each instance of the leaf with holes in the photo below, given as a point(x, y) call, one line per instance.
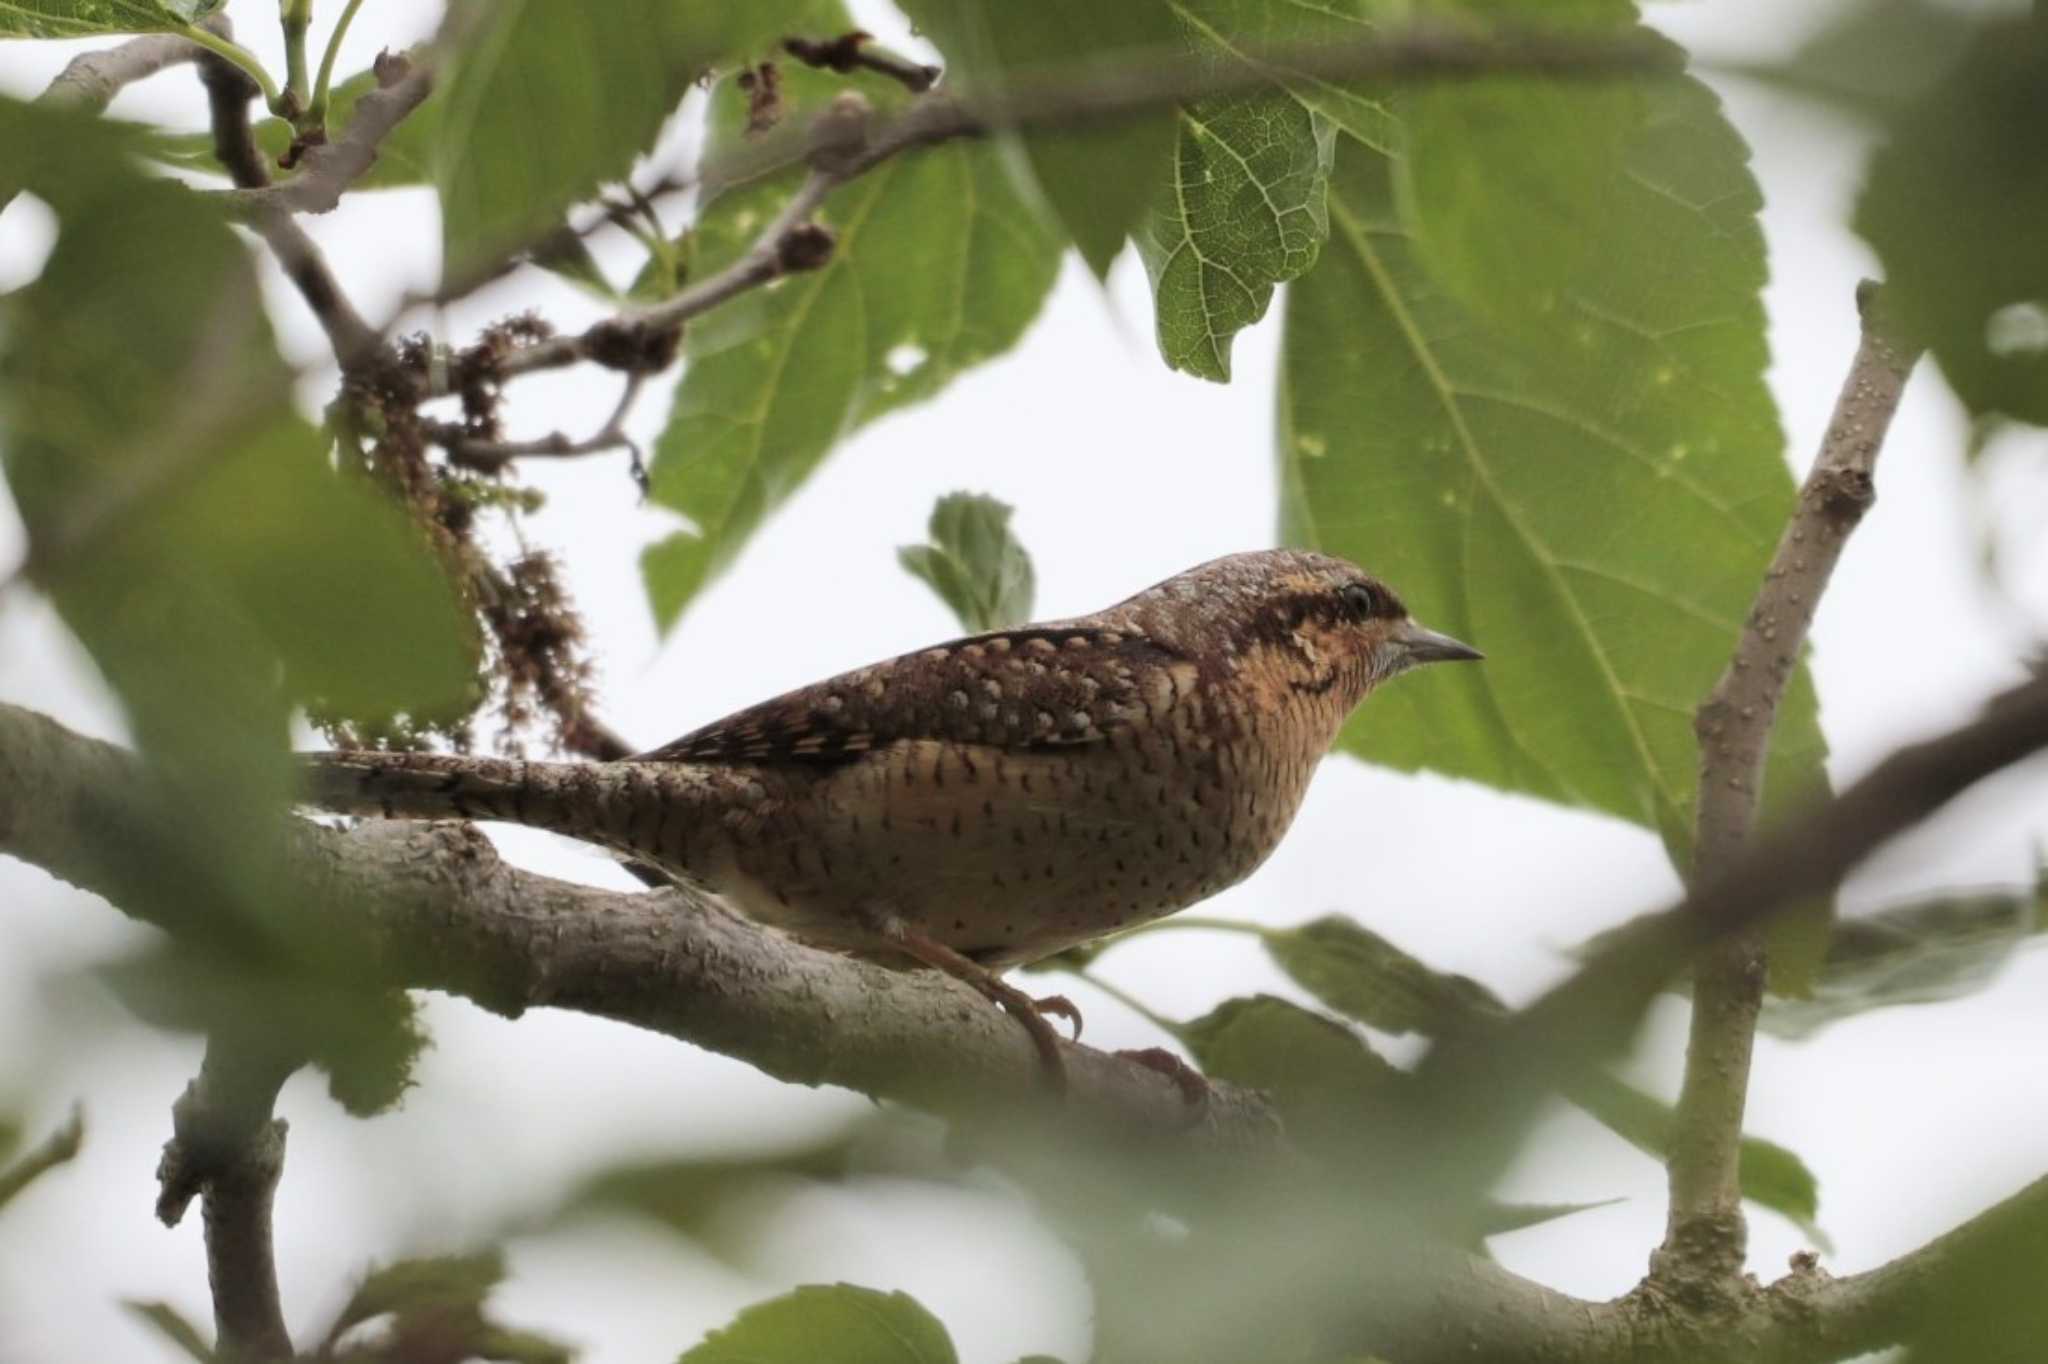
point(775, 378)
point(1587, 480)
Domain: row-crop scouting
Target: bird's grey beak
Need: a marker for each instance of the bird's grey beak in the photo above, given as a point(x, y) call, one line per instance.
point(1420, 644)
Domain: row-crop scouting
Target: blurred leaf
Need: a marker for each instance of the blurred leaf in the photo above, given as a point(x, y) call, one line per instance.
point(367, 1038)
point(1952, 206)
point(402, 157)
point(409, 1286)
point(1586, 481)
point(1875, 56)
point(547, 101)
point(938, 266)
point(1100, 180)
point(687, 1195)
point(1919, 953)
point(184, 520)
point(171, 1324)
point(59, 1148)
point(1771, 1176)
point(1361, 975)
point(1502, 1218)
point(94, 18)
point(839, 1322)
point(1323, 1078)
point(974, 562)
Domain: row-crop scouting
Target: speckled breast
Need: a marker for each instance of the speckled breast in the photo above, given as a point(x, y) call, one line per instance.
point(1013, 855)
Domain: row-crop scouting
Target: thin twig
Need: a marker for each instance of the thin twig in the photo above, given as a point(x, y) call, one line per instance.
point(1705, 1235)
point(850, 52)
point(1148, 81)
point(226, 1148)
point(228, 92)
point(490, 456)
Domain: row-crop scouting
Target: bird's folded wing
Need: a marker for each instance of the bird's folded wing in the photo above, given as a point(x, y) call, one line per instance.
point(1040, 687)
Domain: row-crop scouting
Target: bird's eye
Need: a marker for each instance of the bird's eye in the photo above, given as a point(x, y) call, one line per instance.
point(1361, 600)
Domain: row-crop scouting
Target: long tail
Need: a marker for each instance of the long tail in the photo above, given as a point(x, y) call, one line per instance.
point(620, 805)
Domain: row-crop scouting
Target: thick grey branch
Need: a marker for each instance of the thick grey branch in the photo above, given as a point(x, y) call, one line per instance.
point(1705, 1236)
point(90, 80)
point(434, 908)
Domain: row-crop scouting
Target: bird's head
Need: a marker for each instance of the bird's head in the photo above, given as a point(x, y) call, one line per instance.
point(1314, 624)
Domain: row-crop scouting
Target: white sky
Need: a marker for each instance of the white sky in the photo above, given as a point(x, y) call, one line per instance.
point(1121, 474)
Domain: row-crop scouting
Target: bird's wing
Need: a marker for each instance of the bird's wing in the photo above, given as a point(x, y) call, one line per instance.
point(1046, 686)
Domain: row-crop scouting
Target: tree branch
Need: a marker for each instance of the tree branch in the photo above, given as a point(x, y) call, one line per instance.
point(228, 92)
point(54, 1150)
point(89, 81)
point(433, 907)
point(1705, 1235)
point(227, 1148)
point(327, 169)
point(841, 145)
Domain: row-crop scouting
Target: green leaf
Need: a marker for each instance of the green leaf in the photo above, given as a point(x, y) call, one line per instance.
point(403, 157)
point(547, 101)
point(840, 1322)
point(1242, 210)
point(1321, 1075)
point(438, 1283)
point(172, 1325)
point(1876, 56)
point(1274, 26)
point(974, 562)
point(1953, 204)
point(939, 265)
point(1099, 181)
point(1587, 483)
point(1361, 975)
point(1771, 1176)
point(1920, 953)
point(93, 18)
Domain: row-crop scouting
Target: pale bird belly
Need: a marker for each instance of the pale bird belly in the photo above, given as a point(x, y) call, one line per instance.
point(1005, 856)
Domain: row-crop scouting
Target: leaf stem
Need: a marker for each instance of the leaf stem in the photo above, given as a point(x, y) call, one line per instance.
point(295, 17)
point(1131, 1002)
point(316, 113)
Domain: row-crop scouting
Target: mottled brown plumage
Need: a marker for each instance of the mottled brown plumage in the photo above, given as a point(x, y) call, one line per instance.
point(997, 798)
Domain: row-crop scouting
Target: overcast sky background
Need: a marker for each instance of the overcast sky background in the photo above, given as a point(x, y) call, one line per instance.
point(1121, 473)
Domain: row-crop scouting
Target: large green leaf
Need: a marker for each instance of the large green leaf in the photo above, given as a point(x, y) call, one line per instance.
point(1100, 179)
point(1954, 205)
point(548, 100)
point(776, 377)
point(841, 1322)
point(1585, 478)
point(93, 18)
point(186, 522)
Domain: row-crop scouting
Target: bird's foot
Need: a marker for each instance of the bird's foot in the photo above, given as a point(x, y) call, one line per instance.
point(1013, 1001)
point(1194, 1086)
point(1060, 1007)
